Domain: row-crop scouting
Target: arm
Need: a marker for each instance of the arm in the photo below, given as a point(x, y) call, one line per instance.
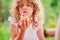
point(21, 35)
point(40, 34)
point(13, 31)
point(23, 26)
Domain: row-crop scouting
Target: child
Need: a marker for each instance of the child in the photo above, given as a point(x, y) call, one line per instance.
point(26, 20)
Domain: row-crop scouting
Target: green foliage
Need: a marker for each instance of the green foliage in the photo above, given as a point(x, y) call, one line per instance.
point(5, 9)
point(5, 35)
point(54, 3)
point(51, 12)
point(50, 38)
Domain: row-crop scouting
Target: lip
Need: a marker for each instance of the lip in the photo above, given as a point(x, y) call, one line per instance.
point(24, 13)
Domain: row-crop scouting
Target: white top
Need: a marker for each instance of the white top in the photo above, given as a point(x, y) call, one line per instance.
point(30, 33)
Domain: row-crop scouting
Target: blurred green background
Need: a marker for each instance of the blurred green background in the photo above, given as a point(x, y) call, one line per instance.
point(52, 8)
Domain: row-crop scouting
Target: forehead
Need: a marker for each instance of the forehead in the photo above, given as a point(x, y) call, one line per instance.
point(26, 1)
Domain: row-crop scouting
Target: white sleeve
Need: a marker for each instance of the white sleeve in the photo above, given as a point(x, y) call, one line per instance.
point(12, 21)
point(41, 22)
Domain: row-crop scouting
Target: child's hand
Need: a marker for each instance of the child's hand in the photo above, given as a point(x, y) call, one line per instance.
point(24, 23)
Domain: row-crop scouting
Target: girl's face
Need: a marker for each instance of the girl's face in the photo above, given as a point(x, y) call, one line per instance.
point(25, 8)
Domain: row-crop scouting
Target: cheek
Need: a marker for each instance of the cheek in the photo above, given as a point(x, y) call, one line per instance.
point(30, 11)
point(20, 11)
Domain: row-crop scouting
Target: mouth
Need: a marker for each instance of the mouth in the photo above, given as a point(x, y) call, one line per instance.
point(24, 13)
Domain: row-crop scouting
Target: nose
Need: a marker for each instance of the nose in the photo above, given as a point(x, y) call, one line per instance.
point(24, 7)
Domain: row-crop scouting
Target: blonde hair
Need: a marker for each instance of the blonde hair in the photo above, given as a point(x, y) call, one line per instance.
point(38, 10)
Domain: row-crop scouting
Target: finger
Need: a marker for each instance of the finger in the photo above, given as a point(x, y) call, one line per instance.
point(28, 22)
point(24, 23)
point(20, 23)
point(22, 19)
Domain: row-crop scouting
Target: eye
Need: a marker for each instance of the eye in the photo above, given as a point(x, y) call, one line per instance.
point(21, 5)
point(28, 5)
